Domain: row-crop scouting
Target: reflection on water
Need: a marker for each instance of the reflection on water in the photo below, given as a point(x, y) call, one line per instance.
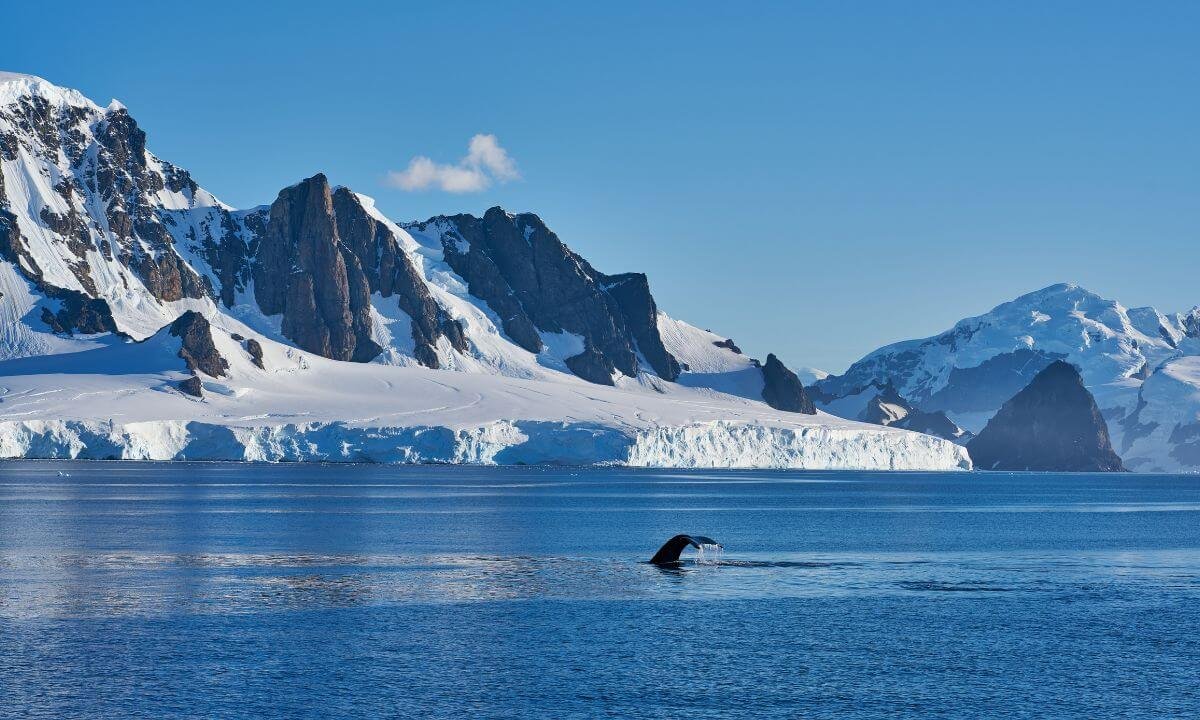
point(126, 583)
point(216, 590)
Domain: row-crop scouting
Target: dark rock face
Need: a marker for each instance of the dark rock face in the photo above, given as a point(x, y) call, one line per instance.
point(1051, 425)
point(320, 258)
point(77, 313)
point(256, 353)
point(934, 423)
point(886, 407)
point(225, 243)
point(1191, 323)
point(192, 386)
point(304, 272)
point(889, 408)
point(592, 365)
point(990, 383)
point(387, 270)
point(108, 170)
point(729, 345)
point(533, 282)
point(196, 345)
point(783, 390)
point(466, 252)
point(632, 292)
point(124, 181)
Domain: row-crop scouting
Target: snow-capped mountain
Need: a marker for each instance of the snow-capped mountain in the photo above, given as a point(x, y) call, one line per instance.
point(1138, 363)
point(320, 329)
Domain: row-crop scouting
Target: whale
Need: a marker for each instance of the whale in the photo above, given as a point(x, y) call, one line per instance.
point(668, 554)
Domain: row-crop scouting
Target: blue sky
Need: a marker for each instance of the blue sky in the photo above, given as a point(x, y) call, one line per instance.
point(813, 179)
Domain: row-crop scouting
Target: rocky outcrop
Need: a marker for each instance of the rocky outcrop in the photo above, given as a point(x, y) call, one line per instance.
point(196, 345)
point(533, 282)
point(933, 423)
point(192, 386)
point(77, 313)
point(254, 349)
point(782, 390)
point(466, 251)
point(223, 239)
point(889, 408)
point(885, 408)
point(304, 272)
point(728, 344)
point(1051, 425)
point(632, 293)
point(388, 271)
point(320, 259)
point(103, 197)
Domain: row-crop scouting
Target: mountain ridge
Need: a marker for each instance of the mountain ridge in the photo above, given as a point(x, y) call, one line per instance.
point(116, 245)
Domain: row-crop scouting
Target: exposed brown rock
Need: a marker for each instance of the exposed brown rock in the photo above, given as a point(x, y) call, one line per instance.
point(534, 282)
point(114, 168)
point(256, 352)
point(387, 270)
point(632, 292)
point(301, 272)
point(126, 183)
point(196, 344)
point(77, 313)
point(192, 386)
point(485, 281)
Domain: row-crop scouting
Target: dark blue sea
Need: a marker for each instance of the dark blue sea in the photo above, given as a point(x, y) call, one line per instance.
point(140, 590)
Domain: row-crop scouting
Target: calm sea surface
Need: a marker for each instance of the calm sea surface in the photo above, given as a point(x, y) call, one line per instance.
point(230, 591)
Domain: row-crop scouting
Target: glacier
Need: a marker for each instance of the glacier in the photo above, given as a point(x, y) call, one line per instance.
point(119, 401)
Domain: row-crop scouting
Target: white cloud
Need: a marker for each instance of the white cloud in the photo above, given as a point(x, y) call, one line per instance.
point(486, 162)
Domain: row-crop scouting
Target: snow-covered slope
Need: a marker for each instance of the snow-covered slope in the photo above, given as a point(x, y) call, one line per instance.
point(122, 401)
point(1136, 363)
point(79, 208)
point(457, 339)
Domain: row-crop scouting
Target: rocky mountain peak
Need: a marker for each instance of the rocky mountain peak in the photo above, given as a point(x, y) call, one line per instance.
point(108, 238)
point(782, 389)
point(536, 284)
point(1191, 322)
point(97, 214)
point(304, 272)
point(15, 87)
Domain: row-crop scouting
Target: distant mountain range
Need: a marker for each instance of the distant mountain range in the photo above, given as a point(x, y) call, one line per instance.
point(141, 317)
point(1142, 366)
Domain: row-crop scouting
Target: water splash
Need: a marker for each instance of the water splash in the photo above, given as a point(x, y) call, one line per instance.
point(707, 554)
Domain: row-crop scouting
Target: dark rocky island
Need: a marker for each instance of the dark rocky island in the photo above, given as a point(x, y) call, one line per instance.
point(1052, 425)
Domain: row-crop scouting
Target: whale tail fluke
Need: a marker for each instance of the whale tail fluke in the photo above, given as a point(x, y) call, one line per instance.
point(669, 552)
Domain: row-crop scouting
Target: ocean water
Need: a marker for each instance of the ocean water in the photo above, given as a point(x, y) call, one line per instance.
point(245, 591)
